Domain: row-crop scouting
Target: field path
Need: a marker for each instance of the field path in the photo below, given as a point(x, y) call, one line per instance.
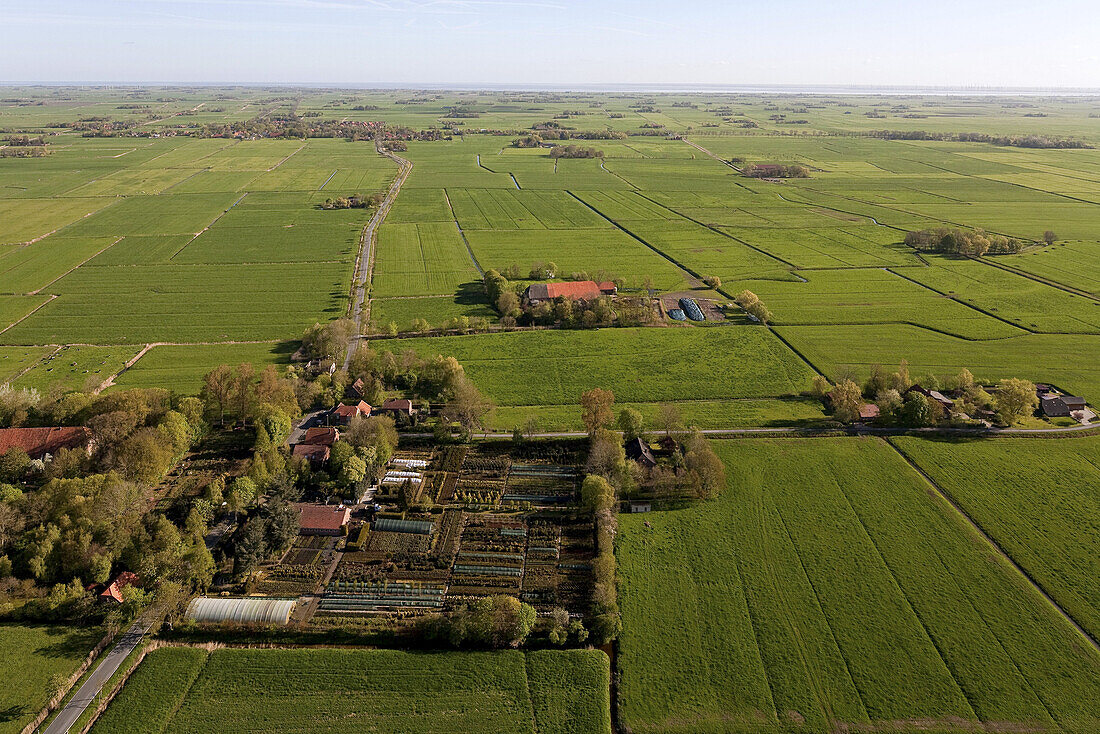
point(364, 260)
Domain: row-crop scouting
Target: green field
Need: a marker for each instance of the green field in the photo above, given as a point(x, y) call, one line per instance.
point(828, 590)
point(188, 690)
point(32, 656)
point(1037, 499)
point(639, 365)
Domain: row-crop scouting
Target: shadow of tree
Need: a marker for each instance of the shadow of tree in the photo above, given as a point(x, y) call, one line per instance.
point(11, 713)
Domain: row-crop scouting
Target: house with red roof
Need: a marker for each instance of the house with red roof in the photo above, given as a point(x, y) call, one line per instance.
point(40, 442)
point(322, 519)
point(320, 436)
point(396, 407)
point(342, 414)
point(315, 454)
point(113, 593)
point(579, 290)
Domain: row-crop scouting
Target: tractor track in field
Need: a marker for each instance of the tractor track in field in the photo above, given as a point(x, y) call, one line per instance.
point(947, 497)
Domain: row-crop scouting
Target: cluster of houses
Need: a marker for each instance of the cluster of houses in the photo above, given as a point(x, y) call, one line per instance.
point(315, 446)
point(1052, 404)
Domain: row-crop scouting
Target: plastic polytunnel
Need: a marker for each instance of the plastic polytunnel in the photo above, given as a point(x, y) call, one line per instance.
point(252, 611)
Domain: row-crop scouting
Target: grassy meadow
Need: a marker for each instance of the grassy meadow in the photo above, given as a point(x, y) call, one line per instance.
point(33, 656)
point(826, 590)
point(179, 690)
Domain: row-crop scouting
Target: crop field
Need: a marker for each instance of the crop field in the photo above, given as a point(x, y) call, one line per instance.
point(181, 367)
point(874, 296)
point(551, 692)
point(427, 259)
point(826, 589)
point(1070, 361)
point(1037, 499)
point(1076, 264)
point(32, 655)
point(639, 365)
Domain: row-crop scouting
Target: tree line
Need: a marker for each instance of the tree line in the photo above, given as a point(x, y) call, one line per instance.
point(1014, 141)
point(974, 243)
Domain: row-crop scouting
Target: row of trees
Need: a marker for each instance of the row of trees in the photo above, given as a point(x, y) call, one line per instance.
point(1016, 141)
point(973, 243)
point(355, 201)
point(775, 170)
point(574, 151)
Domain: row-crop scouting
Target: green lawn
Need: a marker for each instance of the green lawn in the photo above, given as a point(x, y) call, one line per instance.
point(32, 655)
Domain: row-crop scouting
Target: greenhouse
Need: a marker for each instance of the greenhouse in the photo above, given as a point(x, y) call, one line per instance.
point(249, 611)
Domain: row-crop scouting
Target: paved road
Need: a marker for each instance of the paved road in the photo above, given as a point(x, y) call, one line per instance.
point(93, 685)
point(857, 430)
point(365, 261)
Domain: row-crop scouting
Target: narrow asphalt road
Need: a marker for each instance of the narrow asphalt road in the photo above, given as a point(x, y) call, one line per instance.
point(855, 431)
point(93, 685)
point(365, 262)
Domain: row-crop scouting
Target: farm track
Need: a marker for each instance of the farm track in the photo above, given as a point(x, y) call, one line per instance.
point(204, 229)
point(90, 257)
point(364, 261)
point(947, 498)
point(470, 250)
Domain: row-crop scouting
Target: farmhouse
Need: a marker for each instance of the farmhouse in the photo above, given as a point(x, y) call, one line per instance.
point(397, 406)
point(358, 386)
point(322, 519)
point(113, 593)
point(320, 436)
point(40, 442)
point(868, 412)
point(946, 403)
point(638, 450)
point(315, 454)
point(343, 414)
point(1061, 406)
point(581, 290)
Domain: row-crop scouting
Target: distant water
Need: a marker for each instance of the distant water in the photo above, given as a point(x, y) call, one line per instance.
point(611, 88)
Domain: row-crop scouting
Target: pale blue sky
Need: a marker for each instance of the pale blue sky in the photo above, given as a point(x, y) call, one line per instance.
point(929, 42)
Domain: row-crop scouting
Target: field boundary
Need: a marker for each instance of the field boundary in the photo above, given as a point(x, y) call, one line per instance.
point(946, 497)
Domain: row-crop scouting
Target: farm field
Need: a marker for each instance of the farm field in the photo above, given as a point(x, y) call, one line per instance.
point(558, 692)
point(181, 367)
point(849, 597)
point(639, 365)
point(32, 655)
point(1069, 361)
point(1037, 500)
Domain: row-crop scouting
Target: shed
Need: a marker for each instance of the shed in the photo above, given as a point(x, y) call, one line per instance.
point(580, 290)
point(641, 506)
point(246, 611)
point(397, 406)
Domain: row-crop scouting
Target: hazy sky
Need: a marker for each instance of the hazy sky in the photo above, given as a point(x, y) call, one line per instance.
point(886, 42)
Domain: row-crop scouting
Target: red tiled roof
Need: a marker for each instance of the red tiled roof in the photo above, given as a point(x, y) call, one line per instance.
point(40, 441)
point(578, 290)
point(350, 411)
point(322, 517)
point(114, 591)
point(312, 452)
point(321, 436)
point(397, 404)
point(868, 410)
point(607, 287)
